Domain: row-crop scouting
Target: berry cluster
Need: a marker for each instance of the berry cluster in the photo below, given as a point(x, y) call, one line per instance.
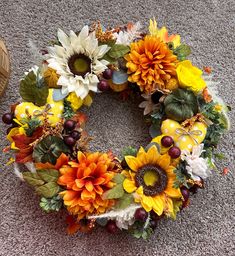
point(72, 135)
point(174, 152)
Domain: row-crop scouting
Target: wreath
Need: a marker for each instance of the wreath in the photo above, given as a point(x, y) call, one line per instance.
point(47, 135)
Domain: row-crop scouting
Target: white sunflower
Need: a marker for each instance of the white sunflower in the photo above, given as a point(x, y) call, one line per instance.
point(78, 61)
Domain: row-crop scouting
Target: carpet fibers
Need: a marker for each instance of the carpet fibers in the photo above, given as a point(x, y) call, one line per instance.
point(207, 227)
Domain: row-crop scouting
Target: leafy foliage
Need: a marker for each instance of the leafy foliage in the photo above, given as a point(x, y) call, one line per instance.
point(116, 51)
point(129, 151)
point(181, 175)
point(44, 181)
point(49, 149)
point(141, 229)
point(68, 110)
point(117, 191)
point(177, 204)
point(219, 126)
point(156, 118)
point(32, 123)
point(182, 51)
point(51, 204)
point(33, 90)
point(124, 201)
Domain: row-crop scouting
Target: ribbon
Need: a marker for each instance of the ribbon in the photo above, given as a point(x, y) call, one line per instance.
point(183, 132)
point(42, 112)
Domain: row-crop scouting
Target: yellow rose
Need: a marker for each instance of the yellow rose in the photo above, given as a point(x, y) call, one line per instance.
point(189, 76)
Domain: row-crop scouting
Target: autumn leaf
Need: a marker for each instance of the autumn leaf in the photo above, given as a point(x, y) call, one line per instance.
point(63, 159)
point(51, 78)
point(23, 143)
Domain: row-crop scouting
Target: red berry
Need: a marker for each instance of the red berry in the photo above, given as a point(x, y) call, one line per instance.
point(70, 141)
point(185, 193)
point(103, 85)
point(69, 125)
point(155, 216)
point(141, 214)
point(153, 224)
point(75, 134)
point(167, 141)
point(174, 152)
point(7, 118)
point(107, 74)
point(111, 227)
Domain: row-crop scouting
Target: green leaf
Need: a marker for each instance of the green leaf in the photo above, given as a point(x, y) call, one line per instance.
point(182, 51)
point(124, 201)
point(49, 149)
point(48, 175)
point(119, 178)
point(32, 179)
point(68, 111)
point(48, 190)
point(116, 192)
point(118, 51)
point(51, 204)
point(176, 208)
point(31, 91)
point(129, 151)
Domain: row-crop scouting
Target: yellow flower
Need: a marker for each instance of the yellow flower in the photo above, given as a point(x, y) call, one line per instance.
point(77, 102)
point(189, 76)
point(151, 179)
point(163, 33)
point(218, 108)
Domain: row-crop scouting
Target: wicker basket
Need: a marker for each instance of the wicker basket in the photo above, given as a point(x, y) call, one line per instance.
point(4, 67)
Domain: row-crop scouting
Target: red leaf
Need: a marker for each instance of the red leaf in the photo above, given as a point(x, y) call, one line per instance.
point(23, 143)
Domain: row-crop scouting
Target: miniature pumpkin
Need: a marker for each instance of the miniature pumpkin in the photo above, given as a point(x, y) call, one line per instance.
point(180, 105)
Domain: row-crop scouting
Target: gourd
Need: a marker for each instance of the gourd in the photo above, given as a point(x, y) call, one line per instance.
point(180, 105)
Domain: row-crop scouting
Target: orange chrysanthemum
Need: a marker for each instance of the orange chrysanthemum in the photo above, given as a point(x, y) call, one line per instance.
point(86, 180)
point(150, 63)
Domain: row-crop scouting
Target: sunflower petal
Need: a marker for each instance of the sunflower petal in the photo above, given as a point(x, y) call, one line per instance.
point(164, 161)
point(158, 204)
point(133, 163)
point(129, 186)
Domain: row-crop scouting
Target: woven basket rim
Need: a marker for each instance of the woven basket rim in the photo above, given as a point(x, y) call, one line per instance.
point(5, 67)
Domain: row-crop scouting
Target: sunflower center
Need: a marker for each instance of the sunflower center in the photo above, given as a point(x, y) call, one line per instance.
point(79, 64)
point(152, 178)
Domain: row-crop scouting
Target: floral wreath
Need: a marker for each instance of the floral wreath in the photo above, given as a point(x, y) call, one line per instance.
point(50, 143)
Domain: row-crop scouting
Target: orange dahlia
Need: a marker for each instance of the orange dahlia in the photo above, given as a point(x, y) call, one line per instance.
point(86, 180)
point(150, 63)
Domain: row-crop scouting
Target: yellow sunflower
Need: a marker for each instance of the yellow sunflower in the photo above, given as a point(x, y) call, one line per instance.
point(151, 179)
point(150, 63)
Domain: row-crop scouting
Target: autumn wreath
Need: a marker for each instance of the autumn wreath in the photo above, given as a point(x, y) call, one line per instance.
point(50, 144)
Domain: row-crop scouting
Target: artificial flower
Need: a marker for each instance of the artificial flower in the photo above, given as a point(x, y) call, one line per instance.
point(148, 104)
point(151, 179)
point(197, 166)
point(85, 181)
point(132, 33)
point(163, 34)
point(190, 77)
point(150, 63)
point(77, 102)
point(78, 61)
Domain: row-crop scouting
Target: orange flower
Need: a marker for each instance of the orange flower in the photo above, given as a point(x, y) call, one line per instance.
point(150, 63)
point(86, 180)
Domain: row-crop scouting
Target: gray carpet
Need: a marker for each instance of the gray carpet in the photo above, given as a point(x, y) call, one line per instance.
point(207, 227)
